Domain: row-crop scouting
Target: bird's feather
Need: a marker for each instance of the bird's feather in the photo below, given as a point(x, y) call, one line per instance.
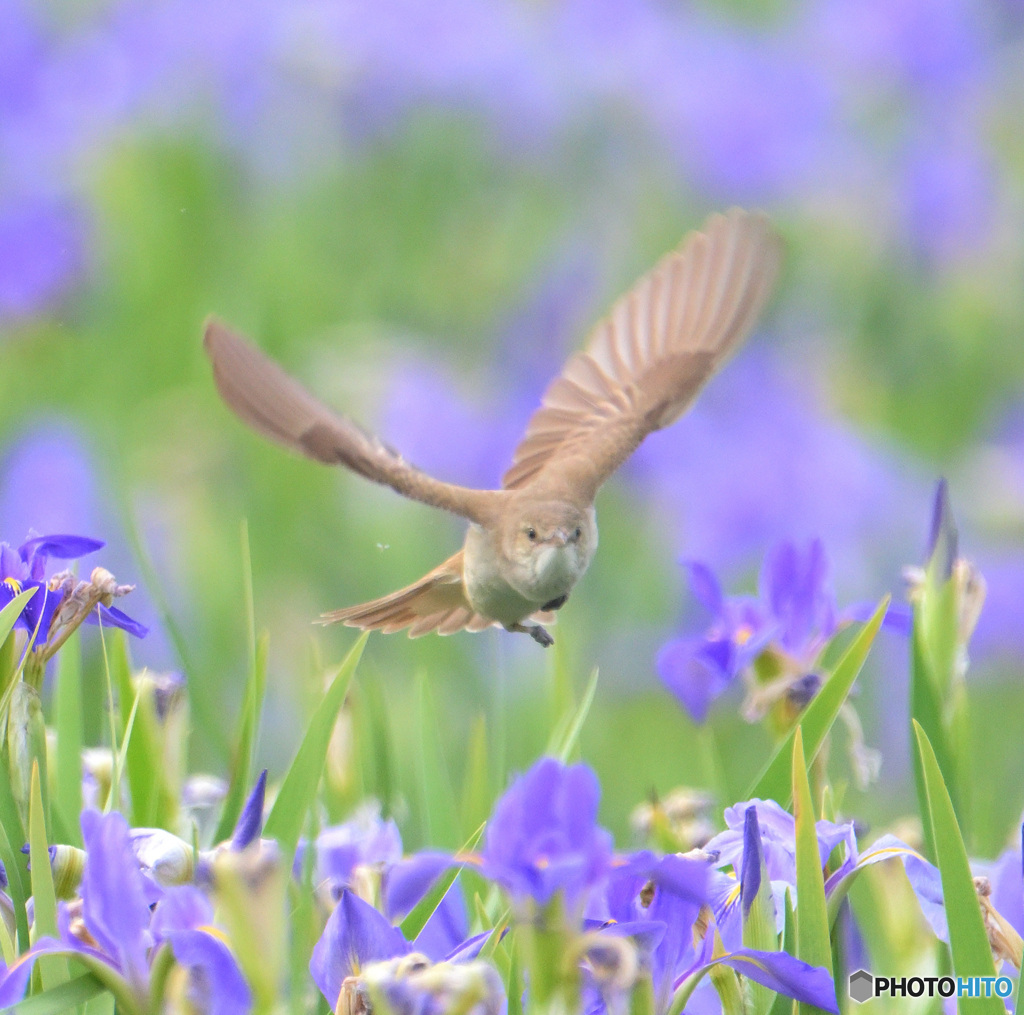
point(436, 602)
point(646, 361)
point(262, 395)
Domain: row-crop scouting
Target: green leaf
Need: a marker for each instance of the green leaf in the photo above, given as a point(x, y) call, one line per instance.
point(968, 940)
point(306, 926)
point(776, 780)
point(440, 812)
point(812, 927)
point(785, 1005)
point(926, 710)
point(68, 720)
point(60, 999)
point(417, 918)
point(252, 708)
point(759, 933)
point(121, 755)
point(8, 656)
point(566, 734)
point(14, 863)
point(12, 611)
point(476, 795)
point(241, 770)
point(53, 968)
point(143, 751)
point(298, 791)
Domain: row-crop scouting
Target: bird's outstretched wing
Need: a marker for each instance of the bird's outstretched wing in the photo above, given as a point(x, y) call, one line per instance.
point(437, 602)
point(646, 361)
point(262, 395)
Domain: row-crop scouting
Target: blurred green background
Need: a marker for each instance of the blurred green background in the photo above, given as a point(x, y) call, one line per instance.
point(420, 212)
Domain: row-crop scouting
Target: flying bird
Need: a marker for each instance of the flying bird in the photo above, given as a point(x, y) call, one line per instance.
point(529, 542)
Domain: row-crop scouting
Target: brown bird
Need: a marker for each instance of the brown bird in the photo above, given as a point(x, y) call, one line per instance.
point(530, 542)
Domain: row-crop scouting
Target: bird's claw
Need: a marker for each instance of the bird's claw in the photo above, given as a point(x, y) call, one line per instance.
point(540, 636)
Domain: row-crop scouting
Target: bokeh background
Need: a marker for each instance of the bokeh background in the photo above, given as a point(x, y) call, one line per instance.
point(420, 208)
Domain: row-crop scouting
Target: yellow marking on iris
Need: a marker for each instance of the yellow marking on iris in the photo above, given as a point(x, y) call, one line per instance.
point(891, 850)
point(14, 584)
point(743, 634)
point(215, 932)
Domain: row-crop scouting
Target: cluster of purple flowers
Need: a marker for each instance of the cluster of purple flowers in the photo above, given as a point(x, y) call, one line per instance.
point(142, 897)
point(761, 112)
point(790, 621)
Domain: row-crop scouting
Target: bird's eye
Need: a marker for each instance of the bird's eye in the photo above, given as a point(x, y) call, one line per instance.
point(577, 533)
point(531, 533)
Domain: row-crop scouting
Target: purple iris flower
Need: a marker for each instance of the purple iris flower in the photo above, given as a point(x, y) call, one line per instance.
point(778, 971)
point(698, 668)
point(25, 568)
point(794, 616)
point(543, 836)
point(215, 984)
point(123, 934)
point(357, 935)
point(655, 902)
point(366, 840)
point(778, 838)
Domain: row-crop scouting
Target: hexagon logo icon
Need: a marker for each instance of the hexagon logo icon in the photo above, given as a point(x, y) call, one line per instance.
point(861, 986)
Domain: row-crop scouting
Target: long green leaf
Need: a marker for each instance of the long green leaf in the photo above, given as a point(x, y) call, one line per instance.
point(67, 800)
point(440, 811)
point(252, 708)
point(241, 770)
point(61, 999)
point(143, 750)
point(776, 781)
point(968, 941)
point(926, 710)
point(784, 1005)
point(566, 735)
point(53, 968)
point(14, 863)
point(298, 791)
point(812, 933)
point(417, 918)
point(12, 611)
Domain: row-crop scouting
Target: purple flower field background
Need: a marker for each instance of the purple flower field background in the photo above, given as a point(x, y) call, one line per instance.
point(420, 210)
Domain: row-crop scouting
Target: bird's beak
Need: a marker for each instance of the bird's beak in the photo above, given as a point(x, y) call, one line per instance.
point(559, 537)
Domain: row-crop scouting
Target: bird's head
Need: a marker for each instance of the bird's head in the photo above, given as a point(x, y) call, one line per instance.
point(550, 543)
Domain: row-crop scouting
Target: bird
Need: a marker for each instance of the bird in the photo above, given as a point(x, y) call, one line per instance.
point(528, 543)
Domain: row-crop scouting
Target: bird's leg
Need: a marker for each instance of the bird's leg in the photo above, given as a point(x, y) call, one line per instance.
point(556, 604)
point(536, 632)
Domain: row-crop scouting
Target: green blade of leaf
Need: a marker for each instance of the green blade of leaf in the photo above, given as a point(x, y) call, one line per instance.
point(14, 863)
point(566, 735)
point(68, 720)
point(298, 791)
point(440, 812)
point(62, 998)
point(812, 927)
point(776, 780)
point(926, 709)
point(53, 968)
point(143, 752)
point(241, 769)
point(968, 941)
point(12, 611)
point(785, 1005)
point(417, 918)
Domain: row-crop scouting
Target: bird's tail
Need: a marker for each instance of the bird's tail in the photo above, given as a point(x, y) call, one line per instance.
point(437, 602)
